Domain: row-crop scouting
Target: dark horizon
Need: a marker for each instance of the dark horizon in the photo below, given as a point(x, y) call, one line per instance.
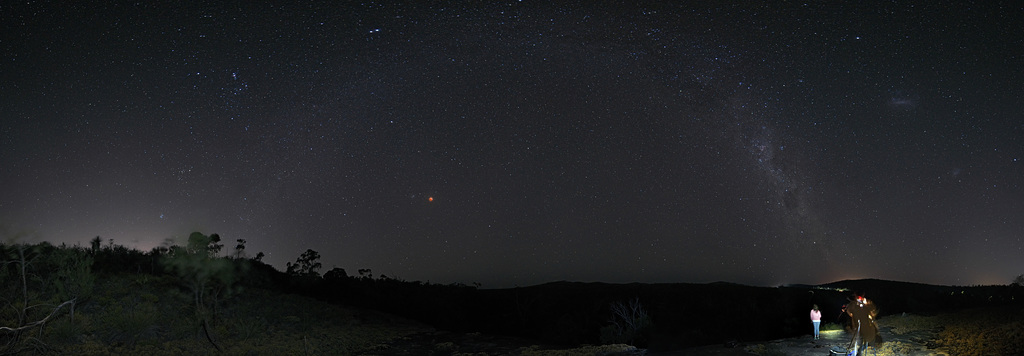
point(355, 273)
point(515, 143)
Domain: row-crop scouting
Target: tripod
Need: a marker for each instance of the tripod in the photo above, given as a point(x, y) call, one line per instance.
point(855, 343)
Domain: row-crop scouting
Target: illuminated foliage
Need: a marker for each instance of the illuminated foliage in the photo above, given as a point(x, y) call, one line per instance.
point(207, 276)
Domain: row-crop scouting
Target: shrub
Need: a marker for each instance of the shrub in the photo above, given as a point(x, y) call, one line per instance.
point(446, 347)
point(630, 324)
point(765, 350)
point(904, 324)
point(587, 350)
point(246, 328)
point(64, 331)
point(992, 331)
point(830, 327)
point(129, 323)
point(894, 348)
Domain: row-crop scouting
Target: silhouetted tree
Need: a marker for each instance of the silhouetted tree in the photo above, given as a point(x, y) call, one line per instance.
point(95, 244)
point(240, 249)
point(335, 274)
point(1018, 281)
point(308, 264)
point(214, 246)
point(259, 257)
point(335, 282)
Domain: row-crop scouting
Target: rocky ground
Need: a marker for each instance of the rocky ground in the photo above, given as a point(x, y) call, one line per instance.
point(910, 344)
point(445, 343)
point(974, 332)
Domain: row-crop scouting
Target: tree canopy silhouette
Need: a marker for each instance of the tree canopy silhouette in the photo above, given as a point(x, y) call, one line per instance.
point(308, 264)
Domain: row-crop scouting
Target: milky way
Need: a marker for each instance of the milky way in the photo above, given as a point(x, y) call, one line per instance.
point(515, 143)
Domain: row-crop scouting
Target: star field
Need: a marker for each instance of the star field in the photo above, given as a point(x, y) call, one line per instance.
point(522, 142)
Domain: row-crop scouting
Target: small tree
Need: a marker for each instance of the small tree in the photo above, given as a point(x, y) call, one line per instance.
point(240, 249)
point(1018, 281)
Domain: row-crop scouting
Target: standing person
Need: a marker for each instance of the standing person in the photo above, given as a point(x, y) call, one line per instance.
point(862, 313)
point(816, 320)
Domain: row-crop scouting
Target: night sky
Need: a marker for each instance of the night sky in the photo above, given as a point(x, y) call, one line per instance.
point(521, 142)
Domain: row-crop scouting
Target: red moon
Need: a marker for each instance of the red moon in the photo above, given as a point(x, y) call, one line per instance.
point(430, 199)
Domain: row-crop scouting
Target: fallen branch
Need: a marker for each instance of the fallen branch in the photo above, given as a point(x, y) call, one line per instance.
point(40, 322)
